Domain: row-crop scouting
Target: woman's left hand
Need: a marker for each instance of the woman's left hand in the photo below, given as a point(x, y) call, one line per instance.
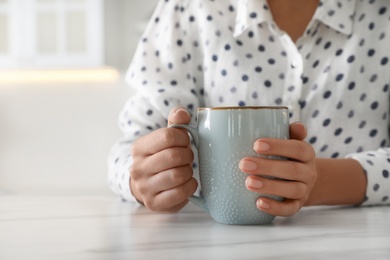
point(298, 173)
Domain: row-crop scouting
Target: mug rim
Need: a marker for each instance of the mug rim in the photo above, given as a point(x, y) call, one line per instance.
point(241, 108)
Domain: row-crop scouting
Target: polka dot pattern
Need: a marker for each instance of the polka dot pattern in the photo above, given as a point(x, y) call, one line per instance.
point(335, 78)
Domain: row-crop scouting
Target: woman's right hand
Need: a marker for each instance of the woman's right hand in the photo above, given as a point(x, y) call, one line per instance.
point(161, 173)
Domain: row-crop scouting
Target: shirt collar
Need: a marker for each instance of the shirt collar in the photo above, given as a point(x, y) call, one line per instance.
point(250, 13)
point(339, 15)
point(336, 14)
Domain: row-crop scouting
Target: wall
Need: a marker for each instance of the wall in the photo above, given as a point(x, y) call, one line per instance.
point(124, 21)
point(55, 138)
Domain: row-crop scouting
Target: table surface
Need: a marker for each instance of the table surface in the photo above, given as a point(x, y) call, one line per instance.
point(107, 228)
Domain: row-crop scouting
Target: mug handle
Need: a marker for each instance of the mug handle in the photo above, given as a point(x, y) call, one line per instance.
point(198, 200)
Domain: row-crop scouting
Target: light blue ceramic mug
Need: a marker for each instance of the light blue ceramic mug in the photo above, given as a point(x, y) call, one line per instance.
point(224, 136)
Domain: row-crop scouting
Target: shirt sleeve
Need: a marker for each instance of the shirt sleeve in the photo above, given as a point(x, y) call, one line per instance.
point(164, 73)
point(375, 165)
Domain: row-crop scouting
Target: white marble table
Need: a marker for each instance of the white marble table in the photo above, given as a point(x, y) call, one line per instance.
point(106, 228)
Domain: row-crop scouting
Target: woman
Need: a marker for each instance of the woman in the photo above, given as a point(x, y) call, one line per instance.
point(326, 60)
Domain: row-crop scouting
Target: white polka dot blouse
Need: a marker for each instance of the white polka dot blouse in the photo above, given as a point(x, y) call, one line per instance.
point(335, 78)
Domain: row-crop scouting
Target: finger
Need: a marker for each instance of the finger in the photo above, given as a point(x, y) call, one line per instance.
point(166, 159)
point(284, 208)
point(170, 198)
point(298, 131)
point(177, 207)
point(285, 189)
point(169, 179)
point(179, 115)
point(282, 169)
point(293, 149)
point(159, 140)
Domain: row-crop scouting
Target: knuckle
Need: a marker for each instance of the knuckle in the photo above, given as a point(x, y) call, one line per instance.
point(292, 208)
point(179, 175)
point(184, 135)
point(142, 189)
point(139, 187)
point(176, 176)
point(168, 136)
point(296, 206)
point(300, 150)
point(311, 153)
point(305, 151)
point(137, 171)
point(181, 193)
point(190, 155)
point(299, 191)
point(134, 172)
point(172, 156)
point(297, 168)
point(184, 191)
point(151, 204)
point(172, 136)
point(193, 186)
point(134, 151)
point(179, 156)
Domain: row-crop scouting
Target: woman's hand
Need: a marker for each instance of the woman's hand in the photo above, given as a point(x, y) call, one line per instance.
point(299, 173)
point(161, 173)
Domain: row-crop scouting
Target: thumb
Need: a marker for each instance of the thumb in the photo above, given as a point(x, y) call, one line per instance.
point(179, 115)
point(298, 131)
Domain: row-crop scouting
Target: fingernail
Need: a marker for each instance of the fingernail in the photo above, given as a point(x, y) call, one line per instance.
point(300, 124)
point(182, 109)
point(247, 165)
point(262, 204)
point(254, 183)
point(261, 146)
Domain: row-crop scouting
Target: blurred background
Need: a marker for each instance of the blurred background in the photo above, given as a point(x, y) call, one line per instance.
point(62, 64)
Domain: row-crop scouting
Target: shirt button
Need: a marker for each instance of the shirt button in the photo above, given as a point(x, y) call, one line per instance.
point(294, 64)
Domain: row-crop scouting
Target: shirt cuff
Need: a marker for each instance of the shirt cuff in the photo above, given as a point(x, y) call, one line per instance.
point(119, 177)
point(376, 165)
